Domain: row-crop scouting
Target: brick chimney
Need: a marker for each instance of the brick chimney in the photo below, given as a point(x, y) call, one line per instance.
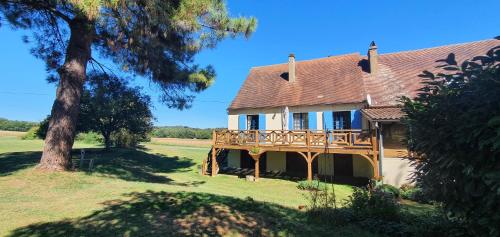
point(291, 67)
point(373, 58)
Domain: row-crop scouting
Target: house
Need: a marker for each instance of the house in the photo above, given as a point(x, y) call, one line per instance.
point(337, 116)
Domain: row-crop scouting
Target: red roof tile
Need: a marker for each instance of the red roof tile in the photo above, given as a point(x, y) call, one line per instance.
point(383, 113)
point(398, 72)
point(344, 79)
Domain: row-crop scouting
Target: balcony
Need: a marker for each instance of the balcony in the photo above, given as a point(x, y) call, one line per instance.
point(352, 141)
point(308, 143)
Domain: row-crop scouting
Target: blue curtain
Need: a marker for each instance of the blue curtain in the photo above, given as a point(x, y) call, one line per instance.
point(290, 121)
point(242, 122)
point(313, 120)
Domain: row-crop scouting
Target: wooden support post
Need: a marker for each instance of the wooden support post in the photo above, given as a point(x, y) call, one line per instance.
point(257, 169)
point(256, 158)
point(308, 138)
point(309, 166)
point(375, 152)
point(214, 161)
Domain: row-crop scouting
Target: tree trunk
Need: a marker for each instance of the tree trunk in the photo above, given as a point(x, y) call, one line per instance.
point(107, 141)
point(62, 125)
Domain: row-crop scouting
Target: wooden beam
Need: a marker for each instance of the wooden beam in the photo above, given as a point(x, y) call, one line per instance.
point(257, 169)
point(315, 155)
point(309, 166)
point(214, 161)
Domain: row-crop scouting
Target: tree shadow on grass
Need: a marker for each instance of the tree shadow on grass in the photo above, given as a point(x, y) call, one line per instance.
point(14, 161)
point(126, 164)
point(137, 165)
point(179, 214)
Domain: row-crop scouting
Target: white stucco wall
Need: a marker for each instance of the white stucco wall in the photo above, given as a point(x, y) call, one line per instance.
point(233, 158)
point(273, 121)
point(276, 161)
point(396, 171)
point(361, 167)
point(273, 115)
point(232, 122)
point(325, 164)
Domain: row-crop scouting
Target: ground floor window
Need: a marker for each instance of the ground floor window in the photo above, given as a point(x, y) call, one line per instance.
point(300, 121)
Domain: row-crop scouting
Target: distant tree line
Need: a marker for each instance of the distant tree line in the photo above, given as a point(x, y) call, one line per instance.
point(182, 132)
point(14, 125)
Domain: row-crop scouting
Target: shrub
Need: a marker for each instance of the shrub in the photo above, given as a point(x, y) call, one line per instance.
point(388, 189)
point(380, 213)
point(376, 204)
point(125, 139)
point(31, 134)
point(406, 187)
point(89, 138)
point(455, 136)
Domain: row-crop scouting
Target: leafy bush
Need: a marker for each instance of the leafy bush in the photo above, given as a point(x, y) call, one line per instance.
point(388, 189)
point(321, 198)
point(416, 194)
point(31, 134)
point(455, 134)
point(379, 212)
point(125, 139)
point(14, 125)
point(376, 204)
point(90, 138)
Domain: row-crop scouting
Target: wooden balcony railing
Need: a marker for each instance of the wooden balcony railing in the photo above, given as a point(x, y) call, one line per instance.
point(347, 139)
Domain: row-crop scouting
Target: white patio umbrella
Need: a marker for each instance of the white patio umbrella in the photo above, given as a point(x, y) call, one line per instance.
point(285, 118)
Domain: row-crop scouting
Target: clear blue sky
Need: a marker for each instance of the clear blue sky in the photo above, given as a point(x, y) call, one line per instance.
point(306, 29)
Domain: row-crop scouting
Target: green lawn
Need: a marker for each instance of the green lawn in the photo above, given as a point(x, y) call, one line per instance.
point(153, 191)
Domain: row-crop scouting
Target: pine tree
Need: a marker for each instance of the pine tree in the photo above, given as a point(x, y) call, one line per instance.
point(156, 39)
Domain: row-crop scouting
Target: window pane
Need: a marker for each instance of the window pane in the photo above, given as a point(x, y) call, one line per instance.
point(300, 121)
point(253, 122)
point(342, 120)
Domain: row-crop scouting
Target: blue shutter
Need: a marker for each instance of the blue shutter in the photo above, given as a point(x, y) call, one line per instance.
point(313, 121)
point(262, 122)
point(290, 121)
point(355, 119)
point(242, 122)
point(328, 120)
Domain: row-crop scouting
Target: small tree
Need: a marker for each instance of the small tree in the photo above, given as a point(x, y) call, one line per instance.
point(121, 114)
point(454, 129)
point(109, 107)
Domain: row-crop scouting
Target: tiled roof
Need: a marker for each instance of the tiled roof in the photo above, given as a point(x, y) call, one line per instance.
point(398, 72)
point(383, 113)
point(345, 79)
point(320, 81)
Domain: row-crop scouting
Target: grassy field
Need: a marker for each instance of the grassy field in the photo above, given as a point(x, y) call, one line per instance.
point(148, 192)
